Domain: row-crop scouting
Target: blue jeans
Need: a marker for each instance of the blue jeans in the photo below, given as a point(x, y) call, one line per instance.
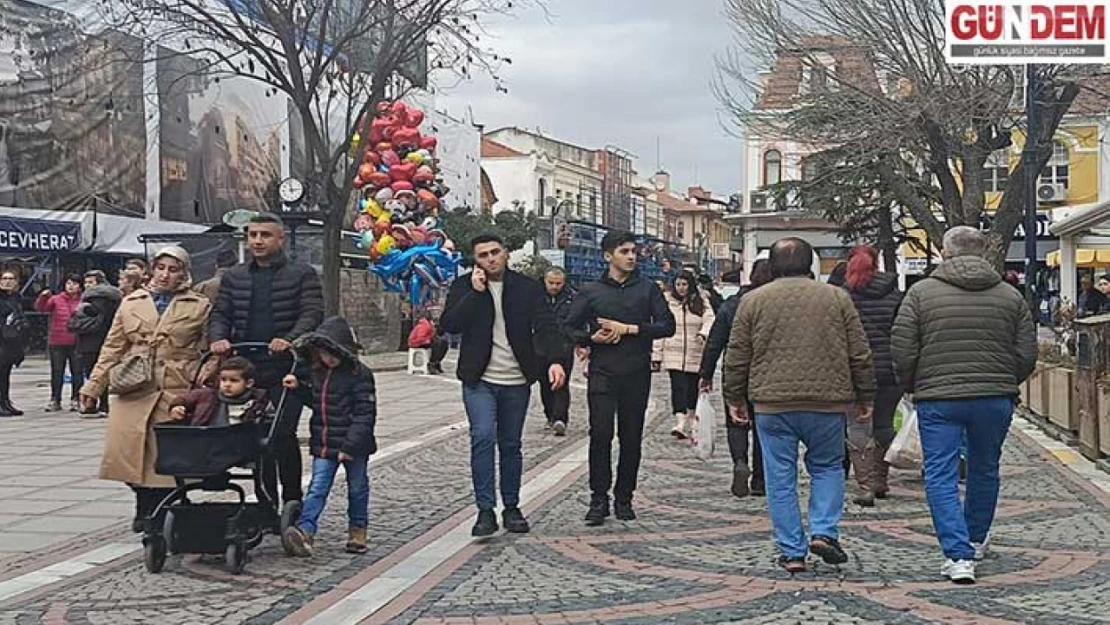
point(823, 435)
point(985, 423)
point(358, 492)
point(496, 414)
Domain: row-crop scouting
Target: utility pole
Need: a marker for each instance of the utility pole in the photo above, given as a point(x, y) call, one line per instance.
point(1030, 157)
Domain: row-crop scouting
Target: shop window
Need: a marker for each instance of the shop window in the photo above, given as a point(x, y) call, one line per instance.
point(996, 171)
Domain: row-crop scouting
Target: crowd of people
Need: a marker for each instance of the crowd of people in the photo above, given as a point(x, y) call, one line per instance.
point(822, 365)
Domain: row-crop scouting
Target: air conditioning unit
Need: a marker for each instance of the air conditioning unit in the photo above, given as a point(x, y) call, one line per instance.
point(759, 202)
point(1052, 192)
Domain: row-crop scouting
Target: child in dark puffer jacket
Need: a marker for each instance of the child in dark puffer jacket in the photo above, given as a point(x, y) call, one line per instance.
point(340, 390)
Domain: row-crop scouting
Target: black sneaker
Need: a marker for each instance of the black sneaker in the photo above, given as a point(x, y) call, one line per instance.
point(623, 511)
point(759, 489)
point(599, 511)
point(514, 521)
point(740, 475)
point(792, 565)
point(486, 525)
point(828, 549)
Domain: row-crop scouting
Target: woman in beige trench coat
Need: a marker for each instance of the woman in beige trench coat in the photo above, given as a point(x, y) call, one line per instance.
point(169, 319)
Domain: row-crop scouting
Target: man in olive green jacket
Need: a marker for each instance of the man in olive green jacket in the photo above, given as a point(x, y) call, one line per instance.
point(962, 343)
point(798, 352)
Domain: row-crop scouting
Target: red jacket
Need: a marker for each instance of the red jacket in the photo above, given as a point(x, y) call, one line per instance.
point(61, 307)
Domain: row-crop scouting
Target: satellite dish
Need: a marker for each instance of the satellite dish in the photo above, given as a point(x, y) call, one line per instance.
point(238, 218)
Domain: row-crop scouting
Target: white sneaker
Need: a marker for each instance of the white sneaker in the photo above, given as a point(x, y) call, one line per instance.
point(959, 571)
point(981, 549)
point(681, 426)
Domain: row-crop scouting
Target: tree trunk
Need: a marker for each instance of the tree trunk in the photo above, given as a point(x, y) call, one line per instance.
point(888, 247)
point(333, 262)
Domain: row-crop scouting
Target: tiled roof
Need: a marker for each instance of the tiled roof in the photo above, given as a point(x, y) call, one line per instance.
point(781, 85)
point(493, 149)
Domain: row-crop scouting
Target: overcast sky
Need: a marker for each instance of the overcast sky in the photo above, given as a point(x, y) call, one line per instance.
point(619, 72)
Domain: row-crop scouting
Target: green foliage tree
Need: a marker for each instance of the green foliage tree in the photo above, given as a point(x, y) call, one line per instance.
point(514, 228)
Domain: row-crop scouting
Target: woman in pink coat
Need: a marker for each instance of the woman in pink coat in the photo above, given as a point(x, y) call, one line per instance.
point(60, 342)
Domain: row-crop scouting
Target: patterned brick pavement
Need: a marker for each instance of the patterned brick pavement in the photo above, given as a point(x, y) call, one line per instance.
point(696, 555)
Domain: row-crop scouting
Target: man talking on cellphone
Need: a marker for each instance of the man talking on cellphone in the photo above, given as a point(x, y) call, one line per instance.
point(508, 334)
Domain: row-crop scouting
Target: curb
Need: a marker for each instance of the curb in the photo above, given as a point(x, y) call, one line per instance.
point(1064, 435)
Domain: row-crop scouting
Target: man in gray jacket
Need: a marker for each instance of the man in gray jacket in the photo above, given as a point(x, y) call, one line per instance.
point(962, 343)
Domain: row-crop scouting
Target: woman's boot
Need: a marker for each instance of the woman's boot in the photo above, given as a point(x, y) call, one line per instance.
point(681, 426)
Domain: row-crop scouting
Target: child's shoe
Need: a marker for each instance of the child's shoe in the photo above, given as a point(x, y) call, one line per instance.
point(356, 540)
point(297, 542)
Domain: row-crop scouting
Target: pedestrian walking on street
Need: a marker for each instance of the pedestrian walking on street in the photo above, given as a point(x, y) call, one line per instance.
point(556, 403)
point(275, 301)
point(14, 329)
point(340, 391)
point(508, 335)
point(90, 324)
point(129, 282)
point(210, 288)
point(877, 298)
point(60, 342)
point(149, 358)
point(682, 352)
point(622, 314)
point(962, 343)
point(798, 352)
point(715, 346)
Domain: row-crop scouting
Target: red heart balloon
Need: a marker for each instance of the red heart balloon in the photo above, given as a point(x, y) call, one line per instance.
point(390, 158)
point(407, 137)
point(398, 108)
point(379, 179)
point(416, 117)
point(427, 198)
point(429, 143)
point(365, 171)
point(423, 175)
point(373, 158)
point(401, 185)
point(404, 171)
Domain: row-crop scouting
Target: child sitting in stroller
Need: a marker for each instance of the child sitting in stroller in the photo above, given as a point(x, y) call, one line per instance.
point(234, 401)
point(340, 391)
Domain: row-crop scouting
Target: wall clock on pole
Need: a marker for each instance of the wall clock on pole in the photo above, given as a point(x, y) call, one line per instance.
point(291, 191)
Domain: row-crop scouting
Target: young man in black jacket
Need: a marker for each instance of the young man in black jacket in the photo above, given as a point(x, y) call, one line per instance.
point(556, 404)
point(508, 336)
point(270, 300)
point(623, 314)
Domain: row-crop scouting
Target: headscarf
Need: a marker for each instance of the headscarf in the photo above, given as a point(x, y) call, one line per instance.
point(162, 299)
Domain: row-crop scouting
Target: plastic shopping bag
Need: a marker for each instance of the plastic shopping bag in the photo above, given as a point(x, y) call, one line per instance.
point(705, 428)
point(905, 451)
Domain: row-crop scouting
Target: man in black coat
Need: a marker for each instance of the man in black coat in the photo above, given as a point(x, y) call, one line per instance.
point(90, 324)
point(715, 347)
point(556, 404)
point(617, 317)
point(271, 300)
point(508, 337)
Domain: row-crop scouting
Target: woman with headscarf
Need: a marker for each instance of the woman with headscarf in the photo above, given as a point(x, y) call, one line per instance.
point(877, 299)
point(682, 352)
point(163, 324)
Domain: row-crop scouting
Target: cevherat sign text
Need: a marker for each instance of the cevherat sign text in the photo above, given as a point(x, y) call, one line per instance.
point(1025, 31)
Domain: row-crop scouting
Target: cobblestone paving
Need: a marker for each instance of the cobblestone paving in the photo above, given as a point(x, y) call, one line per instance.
point(696, 555)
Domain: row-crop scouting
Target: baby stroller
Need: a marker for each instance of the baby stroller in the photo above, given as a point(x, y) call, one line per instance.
point(203, 459)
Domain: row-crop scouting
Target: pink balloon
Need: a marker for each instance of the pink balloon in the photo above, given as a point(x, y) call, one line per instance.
point(390, 158)
point(402, 185)
point(404, 171)
point(415, 118)
point(429, 143)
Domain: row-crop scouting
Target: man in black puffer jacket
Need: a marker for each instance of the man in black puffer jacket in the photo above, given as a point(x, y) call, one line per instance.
point(340, 390)
point(90, 324)
point(275, 301)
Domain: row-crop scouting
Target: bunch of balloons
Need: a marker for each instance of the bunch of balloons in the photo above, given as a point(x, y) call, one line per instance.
point(399, 222)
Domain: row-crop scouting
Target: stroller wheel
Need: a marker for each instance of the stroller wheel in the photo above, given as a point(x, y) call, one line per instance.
point(154, 554)
point(290, 512)
point(236, 557)
point(167, 531)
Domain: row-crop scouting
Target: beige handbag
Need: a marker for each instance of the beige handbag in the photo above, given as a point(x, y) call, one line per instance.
point(133, 374)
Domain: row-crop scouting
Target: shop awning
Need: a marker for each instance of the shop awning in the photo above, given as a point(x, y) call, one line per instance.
point(94, 232)
point(1084, 259)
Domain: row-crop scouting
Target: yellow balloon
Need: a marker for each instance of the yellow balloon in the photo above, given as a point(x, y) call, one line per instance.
point(374, 209)
point(384, 218)
point(384, 244)
point(415, 157)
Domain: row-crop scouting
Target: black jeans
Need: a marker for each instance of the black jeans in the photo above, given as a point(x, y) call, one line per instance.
point(619, 401)
point(438, 349)
point(6, 383)
point(556, 404)
point(87, 361)
point(684, 391)
point(59, 357)
point(738, 443)
point(286, 464)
